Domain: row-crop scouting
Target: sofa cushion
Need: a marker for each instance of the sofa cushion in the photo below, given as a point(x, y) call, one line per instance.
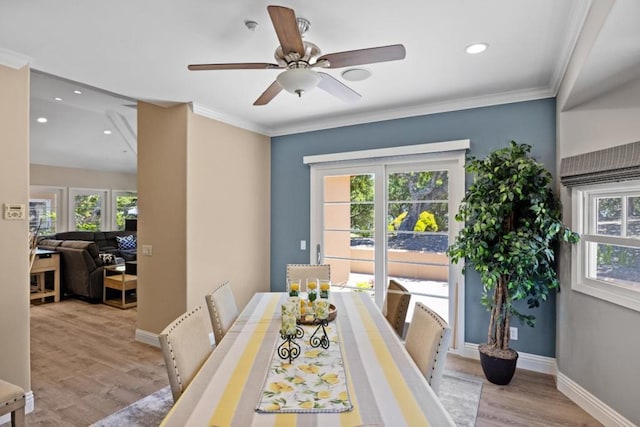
point(127, 242)
point(90, 247)
point(49, 243)
point(76, 235)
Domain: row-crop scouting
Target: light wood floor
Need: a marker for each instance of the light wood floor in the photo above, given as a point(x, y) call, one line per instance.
point(86, 365)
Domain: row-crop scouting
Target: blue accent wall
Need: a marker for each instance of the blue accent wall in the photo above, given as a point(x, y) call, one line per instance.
point(488, 128)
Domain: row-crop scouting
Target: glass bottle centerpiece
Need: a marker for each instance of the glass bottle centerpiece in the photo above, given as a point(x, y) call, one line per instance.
point(312, 289)
point(325, 286)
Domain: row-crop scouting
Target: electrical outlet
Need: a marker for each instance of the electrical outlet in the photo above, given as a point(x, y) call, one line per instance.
point(147, 250)
point(513, 333)
point(303, 245)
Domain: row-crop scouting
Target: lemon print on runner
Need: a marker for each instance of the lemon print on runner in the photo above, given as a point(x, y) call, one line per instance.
point(312, 353)
point(330, 378)
point(306, 405)
point(323, 394)
point(309, 369)
point(272, 407)
point(280, 387)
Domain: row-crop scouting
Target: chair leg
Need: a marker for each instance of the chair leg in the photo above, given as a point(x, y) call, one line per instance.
point(17, 418)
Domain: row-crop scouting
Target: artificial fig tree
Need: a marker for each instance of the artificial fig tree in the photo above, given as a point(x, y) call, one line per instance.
point(512, 223)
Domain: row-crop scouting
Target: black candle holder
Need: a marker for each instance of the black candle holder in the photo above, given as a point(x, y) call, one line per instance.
point(290, 349)
point(320, 339)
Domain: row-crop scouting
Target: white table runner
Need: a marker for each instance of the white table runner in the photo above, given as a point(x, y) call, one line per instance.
point(313, 382)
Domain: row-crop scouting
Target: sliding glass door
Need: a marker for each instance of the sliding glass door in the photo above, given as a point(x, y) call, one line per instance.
point(389, 219)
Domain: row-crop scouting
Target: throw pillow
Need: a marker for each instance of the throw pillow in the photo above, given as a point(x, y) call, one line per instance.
point(107, 259)
point(127, 242)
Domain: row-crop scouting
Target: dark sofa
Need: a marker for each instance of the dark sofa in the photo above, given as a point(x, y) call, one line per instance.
point(81, 267)
point(106, 241)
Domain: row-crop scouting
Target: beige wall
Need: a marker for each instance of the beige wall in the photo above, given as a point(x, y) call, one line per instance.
point(162, 202)
point(81, 178)
point(228, 216)
point(203, 200)
point(14, 259)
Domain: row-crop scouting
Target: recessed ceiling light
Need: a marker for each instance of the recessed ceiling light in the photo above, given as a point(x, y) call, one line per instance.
point(57, 98)
point(107, 132)
point(476, 48)
point(41, 120)
point(356, 74)
point(77, 92)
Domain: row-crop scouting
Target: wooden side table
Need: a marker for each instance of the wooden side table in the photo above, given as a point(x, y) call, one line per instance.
point(116, 278)
point(46, 261)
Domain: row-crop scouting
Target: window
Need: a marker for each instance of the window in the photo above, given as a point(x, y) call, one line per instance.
point(608, 255)
point(45, 210)
point(125, 206)
point(87, 209)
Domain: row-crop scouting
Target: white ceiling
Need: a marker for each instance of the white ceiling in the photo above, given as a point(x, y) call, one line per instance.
point(140, 49)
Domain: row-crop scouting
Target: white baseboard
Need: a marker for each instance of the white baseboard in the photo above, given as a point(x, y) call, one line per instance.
point(28, 407)
point(29, 403)
point(577, 394)
point(147, 337)
point(590, 403)
point(530, 362)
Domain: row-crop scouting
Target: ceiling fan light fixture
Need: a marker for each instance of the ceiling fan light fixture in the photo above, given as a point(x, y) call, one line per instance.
point(298, 80)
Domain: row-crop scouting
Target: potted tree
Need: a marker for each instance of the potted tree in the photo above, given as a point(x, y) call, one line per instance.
point(512, 224)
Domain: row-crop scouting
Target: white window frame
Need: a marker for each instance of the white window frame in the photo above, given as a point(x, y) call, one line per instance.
point(61, 208)
point(105, 213)
point(447, 155)
point(114, 208)
point(583, 208)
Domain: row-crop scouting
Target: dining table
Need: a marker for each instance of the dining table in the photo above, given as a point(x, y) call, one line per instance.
point(382, 386)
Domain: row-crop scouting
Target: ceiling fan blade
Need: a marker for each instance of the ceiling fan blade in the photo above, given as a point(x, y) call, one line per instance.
point(286, 26)
point(363, 56)
point(269, 94)
point(338, 89)
point(236, 66)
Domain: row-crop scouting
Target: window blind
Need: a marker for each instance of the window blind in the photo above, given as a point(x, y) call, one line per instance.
point(620, 163)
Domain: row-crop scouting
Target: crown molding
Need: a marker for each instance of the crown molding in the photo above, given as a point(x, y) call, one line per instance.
point(379, 116)
point(230, 120)
point(579, 12)
point(14, 59)
point(420, 110)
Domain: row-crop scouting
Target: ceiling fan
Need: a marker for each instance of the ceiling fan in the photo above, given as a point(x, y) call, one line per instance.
point(299, 58)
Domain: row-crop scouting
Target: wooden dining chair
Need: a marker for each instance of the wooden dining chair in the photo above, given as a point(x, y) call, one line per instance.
point(428, 340)
point(303, 272)
point(185, 346)
point(223, 310)
point(12, 400)
point(398, 298)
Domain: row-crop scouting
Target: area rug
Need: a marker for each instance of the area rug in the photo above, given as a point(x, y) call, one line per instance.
point(146, 412)
point(459, 393)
